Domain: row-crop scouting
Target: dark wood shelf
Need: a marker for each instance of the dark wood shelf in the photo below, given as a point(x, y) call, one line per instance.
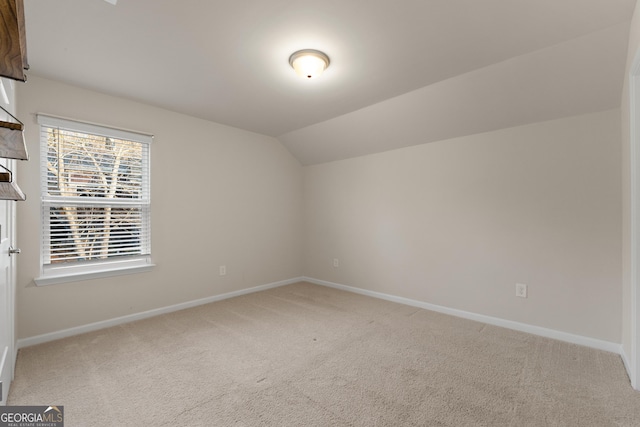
point(13, 40)
point(13, 126)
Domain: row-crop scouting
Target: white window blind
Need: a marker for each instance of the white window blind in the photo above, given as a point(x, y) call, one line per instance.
point(95, 198)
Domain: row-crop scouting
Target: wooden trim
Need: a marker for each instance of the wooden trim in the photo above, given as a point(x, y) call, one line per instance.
point(22, 31)
point(13, 41)
point(5, 175)
point(12, 126)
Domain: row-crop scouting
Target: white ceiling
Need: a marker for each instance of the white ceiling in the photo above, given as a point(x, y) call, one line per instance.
point(402, 72)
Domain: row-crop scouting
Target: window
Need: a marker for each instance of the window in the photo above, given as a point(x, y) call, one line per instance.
point(95, 201)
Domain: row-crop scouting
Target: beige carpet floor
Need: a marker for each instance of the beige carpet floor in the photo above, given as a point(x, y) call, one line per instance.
point(306, 355)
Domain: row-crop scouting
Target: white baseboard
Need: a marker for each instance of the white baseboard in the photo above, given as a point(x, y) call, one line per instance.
point(627, 365)
point(39, 339)
point(522, 327)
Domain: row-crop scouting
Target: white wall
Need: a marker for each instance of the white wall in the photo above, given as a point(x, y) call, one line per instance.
point(219, 196)
point(634, 47)
point(455, 223)
point(458, 223)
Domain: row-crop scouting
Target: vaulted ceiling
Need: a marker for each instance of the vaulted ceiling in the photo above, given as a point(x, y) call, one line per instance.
point(402, 72)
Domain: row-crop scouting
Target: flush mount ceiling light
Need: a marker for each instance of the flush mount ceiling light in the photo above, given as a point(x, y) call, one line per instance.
point(309, 63)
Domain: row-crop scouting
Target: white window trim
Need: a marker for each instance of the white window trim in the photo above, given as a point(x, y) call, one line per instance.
point(57, 275)
point(64, 273)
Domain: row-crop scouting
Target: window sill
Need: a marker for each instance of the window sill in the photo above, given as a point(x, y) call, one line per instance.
point(54, 279)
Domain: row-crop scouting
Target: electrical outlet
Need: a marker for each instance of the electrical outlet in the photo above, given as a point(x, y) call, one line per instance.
point(521, 290)
point(336, 262)
point(223, 270)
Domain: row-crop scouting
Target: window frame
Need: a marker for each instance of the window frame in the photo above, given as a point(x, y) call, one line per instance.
point(75, 271)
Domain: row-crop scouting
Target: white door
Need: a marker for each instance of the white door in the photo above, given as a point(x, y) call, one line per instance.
point(7, 264)
point(7, 292)
point(6, 311)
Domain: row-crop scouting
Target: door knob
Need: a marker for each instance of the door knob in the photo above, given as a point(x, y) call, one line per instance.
point(13, 250)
